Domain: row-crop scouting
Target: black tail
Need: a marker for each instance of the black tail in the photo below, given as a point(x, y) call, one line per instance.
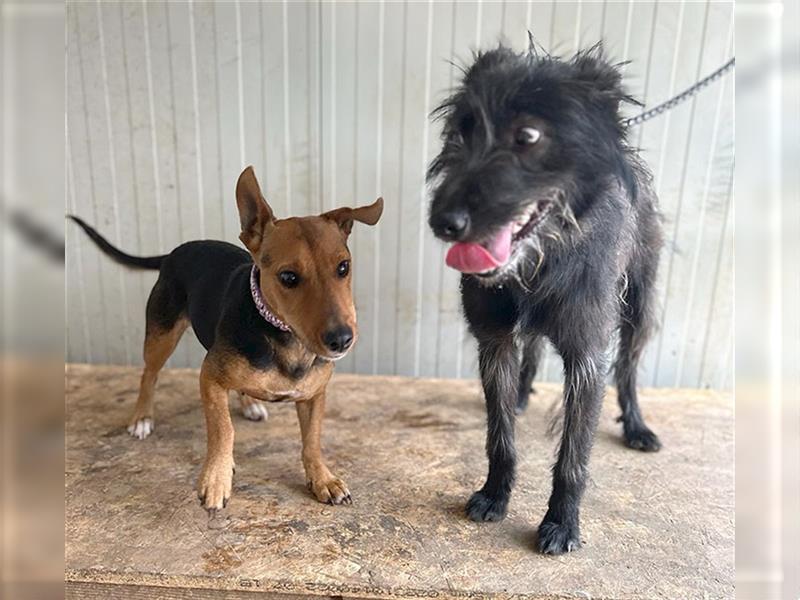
point(135, 262)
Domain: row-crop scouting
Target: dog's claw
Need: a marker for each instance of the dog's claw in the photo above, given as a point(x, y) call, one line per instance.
point(482, 507)
point(214, 486)
point(141, 428)
point(331, 491)
point(642, 439)
point(558, 538)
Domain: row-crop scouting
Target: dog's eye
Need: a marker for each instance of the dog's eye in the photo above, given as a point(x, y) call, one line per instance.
point(289, 279)
point(527, 135)
point(343, 269)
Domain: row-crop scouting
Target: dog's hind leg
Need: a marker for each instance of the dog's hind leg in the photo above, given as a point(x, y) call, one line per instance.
point(166, 323)
point(252, 408)
point(531, 354)
point(635, 328)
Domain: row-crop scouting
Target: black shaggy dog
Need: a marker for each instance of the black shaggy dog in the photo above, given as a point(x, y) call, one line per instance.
point(556, 231)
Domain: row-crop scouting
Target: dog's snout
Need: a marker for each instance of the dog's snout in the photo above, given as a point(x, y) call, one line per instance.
point(451, 225)
point(338, 339)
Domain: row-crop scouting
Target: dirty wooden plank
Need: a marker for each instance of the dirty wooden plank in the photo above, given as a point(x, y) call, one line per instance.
point(411, 450)
point(90, 590)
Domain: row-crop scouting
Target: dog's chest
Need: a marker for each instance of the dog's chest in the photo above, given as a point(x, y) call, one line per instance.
point(292, 380)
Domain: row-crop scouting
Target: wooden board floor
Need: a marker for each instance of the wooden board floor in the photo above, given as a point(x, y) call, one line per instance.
point(411, 450)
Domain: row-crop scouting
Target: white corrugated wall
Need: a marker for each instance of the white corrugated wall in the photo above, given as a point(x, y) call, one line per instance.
point(167, 102)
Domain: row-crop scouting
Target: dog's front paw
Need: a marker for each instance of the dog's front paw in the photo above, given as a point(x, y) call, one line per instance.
point(482, 507)
point(215, 484)
point(558, 538)
point(642, 439)
point(330, 490)
point(141, 428)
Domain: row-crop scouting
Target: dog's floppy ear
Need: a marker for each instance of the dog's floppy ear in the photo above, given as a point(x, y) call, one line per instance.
point(363, 214)
point(255, 214)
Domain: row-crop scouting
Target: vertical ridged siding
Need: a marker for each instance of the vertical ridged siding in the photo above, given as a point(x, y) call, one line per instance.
point(167, 102)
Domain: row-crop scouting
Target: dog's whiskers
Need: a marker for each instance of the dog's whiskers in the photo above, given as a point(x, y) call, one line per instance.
point(623, 288)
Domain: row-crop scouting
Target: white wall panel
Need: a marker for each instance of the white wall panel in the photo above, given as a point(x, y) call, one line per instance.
point(167, 102)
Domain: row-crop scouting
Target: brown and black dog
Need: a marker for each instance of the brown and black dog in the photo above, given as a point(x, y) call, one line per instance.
point(273, 319)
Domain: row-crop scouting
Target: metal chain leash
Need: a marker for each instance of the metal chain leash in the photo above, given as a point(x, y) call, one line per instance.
point(684, 95)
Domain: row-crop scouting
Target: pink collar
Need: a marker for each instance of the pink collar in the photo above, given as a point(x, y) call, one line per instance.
point(261, 305)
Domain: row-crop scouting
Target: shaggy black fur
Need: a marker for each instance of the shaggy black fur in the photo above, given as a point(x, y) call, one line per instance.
point(583, 267)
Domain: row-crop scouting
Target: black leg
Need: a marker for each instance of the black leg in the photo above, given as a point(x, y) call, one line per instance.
point(635, 328)
point(499, 366)
point(637, 434)
point(531, 354)
point(559, 531)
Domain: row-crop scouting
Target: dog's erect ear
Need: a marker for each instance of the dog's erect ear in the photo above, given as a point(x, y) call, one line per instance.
point(254, 212)
point(363, 214)
point(603, 77)
point(594, 67)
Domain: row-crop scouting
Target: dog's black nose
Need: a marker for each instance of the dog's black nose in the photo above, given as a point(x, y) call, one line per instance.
point(338, 339)
point(451, 225)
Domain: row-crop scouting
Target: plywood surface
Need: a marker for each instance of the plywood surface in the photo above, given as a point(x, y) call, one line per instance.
point(653, 526)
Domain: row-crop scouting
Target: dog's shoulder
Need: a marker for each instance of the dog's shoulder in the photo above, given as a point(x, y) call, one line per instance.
point(241, 330)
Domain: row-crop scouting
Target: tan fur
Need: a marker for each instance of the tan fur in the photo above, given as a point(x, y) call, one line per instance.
point(233, 372)
point(216, 478)
point(325, 486)
point(312, 247)
point(252, 408)
point(223, 371)
point(158, 347)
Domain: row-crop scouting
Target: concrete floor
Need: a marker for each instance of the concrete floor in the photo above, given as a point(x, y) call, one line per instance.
point(653, 525)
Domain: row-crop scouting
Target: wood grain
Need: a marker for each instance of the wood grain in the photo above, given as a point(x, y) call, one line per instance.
point(653, 525)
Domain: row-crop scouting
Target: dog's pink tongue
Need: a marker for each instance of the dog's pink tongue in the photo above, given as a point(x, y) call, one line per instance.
point(469, 257)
